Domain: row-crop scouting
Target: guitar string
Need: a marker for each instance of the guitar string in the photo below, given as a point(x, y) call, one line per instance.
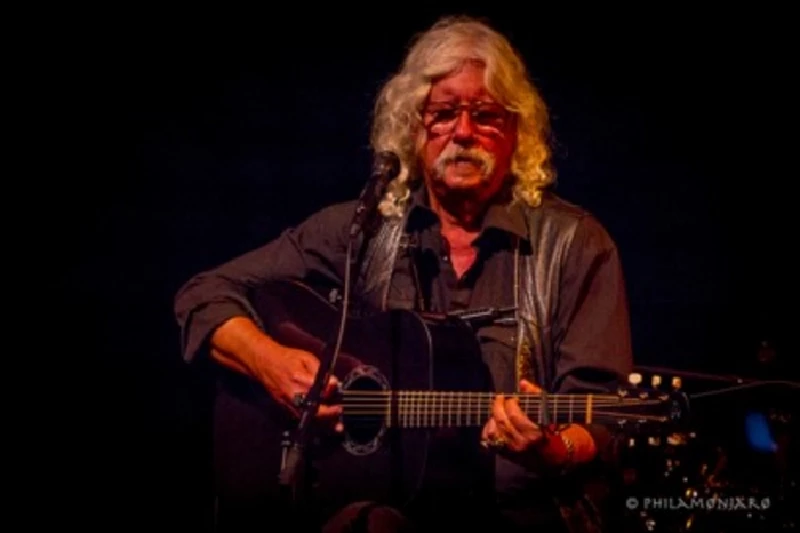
point(601, 395)
point(484, 396)
point(417, 408)
point(449, 399)
point(383, 405)
point(367, 408)
point(485, 411)
point(479, 418)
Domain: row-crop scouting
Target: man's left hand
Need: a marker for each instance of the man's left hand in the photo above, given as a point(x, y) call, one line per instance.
point(510, 432)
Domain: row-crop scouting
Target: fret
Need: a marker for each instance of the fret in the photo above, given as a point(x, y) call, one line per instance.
point(414, 409)
point(540, 415)
point(555, 410)
point(436, 415)
point(420, 409)
point(438, 409)
point(571, 407)
point(459, 418)
point(404, 411)
point(589, 408)
point(457, 415)
point(449, 410)
point(418, 397)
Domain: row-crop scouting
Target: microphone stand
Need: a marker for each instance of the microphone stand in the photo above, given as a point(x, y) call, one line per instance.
point(386, 168)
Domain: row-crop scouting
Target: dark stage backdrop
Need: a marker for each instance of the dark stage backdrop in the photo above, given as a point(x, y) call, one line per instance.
point(667, 128)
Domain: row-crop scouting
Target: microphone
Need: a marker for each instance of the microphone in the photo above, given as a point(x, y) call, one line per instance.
point(385, 168)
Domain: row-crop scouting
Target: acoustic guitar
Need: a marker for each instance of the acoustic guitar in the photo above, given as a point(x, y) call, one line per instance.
point(415, 394)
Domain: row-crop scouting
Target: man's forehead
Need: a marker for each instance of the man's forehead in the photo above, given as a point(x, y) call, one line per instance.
point(461, 88)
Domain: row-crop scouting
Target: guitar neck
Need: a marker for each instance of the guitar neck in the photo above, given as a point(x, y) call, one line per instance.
point(432, 409)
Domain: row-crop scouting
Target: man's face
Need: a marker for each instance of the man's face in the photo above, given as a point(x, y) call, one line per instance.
point(469, 138)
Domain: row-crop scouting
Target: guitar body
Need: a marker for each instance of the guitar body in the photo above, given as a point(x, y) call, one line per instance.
point(374, 459)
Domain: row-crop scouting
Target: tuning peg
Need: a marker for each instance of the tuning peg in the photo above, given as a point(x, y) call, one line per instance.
point(655, 381)
point(676, 383)
point(634, 378)
point(677, 439)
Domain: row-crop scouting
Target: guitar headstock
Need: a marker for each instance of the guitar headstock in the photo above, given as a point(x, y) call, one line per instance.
point(663, 403)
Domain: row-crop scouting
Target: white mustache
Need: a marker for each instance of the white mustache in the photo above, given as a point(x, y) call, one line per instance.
point(454, 153)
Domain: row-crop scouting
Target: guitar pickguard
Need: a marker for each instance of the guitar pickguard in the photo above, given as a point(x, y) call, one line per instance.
point(363, 434)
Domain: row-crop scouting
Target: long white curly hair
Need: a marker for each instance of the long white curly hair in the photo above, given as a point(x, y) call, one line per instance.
point(442, 49)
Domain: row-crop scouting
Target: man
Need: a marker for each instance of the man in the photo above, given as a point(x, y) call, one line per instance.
point(471, 134)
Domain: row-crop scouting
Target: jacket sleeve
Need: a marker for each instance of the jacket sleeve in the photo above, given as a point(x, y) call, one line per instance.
point(314, 248)
point(592, 333)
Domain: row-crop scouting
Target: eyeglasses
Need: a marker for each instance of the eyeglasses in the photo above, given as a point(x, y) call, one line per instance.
point(441, 117)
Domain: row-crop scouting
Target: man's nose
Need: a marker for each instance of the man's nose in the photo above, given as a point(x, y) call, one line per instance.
point(464, 129)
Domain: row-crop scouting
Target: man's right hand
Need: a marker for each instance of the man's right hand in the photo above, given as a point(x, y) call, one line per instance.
point(284, 372)
point(287, 373)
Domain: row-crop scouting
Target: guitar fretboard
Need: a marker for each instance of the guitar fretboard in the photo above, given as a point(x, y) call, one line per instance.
point(419, 409)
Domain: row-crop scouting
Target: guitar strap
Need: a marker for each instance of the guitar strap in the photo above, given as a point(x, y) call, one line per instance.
point(523, 364)
point(523, 368)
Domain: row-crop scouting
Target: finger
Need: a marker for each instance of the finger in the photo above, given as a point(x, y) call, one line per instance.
point(489, 430)
point(527, 386)
point(329, 411)
point(498, 410)
point(505, 428)
point(309, 360)
point(529, 430)
point(311, 365)
point(303, 380)
point(331, 387)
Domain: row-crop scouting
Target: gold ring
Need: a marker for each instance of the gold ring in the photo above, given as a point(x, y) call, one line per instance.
point(494, 443)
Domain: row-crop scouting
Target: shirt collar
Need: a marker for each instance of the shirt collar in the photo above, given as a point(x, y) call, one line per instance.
point(504, 216)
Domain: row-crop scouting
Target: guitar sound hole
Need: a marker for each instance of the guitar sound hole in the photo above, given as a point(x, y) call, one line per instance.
point(365, 410)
